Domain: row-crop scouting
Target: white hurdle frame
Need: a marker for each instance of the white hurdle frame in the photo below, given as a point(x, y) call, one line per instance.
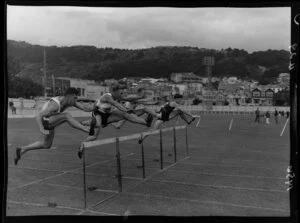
point(117, 140)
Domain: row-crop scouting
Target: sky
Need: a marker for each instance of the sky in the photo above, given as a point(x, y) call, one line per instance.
point(252, 29)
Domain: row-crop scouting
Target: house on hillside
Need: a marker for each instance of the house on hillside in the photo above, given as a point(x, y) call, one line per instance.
point(220, 98)
point(262, 96)
point(185, 77)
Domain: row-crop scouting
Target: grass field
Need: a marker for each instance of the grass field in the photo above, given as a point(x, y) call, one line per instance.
point(236, 173)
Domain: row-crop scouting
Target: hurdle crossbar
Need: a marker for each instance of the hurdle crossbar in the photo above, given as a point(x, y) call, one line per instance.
point(129, 137)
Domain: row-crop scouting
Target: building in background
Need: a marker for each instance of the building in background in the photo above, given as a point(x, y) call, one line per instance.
point(110, 82)
point(262, 96)
point(94, 90)
point(86, 88)
point(185, 77)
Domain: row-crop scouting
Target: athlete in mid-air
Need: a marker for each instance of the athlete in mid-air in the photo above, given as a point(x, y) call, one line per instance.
point(106, 111)
point(136, 105)
point(52, 115)
point(170, 110)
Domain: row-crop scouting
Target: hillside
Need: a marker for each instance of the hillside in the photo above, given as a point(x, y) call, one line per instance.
point(101, 63)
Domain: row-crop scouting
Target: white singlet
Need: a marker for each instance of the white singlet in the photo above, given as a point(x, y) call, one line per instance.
point(52, 99)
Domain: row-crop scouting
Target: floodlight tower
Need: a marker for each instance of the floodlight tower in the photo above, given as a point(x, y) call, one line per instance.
point(209, 62)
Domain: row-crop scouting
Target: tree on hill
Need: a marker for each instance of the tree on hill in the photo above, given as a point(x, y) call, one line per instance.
point(282, 98)
point(20, 87)
point(101, 63)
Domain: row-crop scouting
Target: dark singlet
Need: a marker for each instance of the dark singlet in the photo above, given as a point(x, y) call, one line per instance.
point(102, 109)
point(166, 110)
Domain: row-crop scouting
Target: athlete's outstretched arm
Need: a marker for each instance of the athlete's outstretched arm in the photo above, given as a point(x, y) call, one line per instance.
point(83, 99)
point(85, 107)
point(110, 100)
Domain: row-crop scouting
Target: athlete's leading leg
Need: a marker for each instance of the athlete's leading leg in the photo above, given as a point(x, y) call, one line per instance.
point(148, 111)
point(86, 122)
point(156, 126)
point(56, 120)
point(93, 134)
point(119, 124)
point(182, 115)
point(133, 118)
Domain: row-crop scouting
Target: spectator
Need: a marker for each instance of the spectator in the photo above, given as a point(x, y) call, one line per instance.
point(12, 107)
point(267, 117)
point(276, 116)
point(34, 103)
point(21, 105)
point(282, 113)
point(257, 116)
point(287, 114)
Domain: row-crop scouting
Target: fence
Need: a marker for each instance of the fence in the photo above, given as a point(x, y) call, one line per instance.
point(31, 108)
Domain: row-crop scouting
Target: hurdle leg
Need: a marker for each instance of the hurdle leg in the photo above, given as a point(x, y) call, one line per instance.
point(230, 125)
point(284, 127)
point(84, 177)
point(186, 142)
point(161, 150)
point(175, 154)
point(118, 165)
point(198, 121)
point(143, 160)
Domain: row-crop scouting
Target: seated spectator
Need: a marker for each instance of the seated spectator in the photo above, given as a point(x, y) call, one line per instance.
point(12, 107)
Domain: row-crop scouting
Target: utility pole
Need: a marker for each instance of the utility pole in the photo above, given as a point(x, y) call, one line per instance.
point(53, 86)
point(45, 75)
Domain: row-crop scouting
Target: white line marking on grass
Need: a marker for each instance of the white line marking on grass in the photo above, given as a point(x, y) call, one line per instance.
point(81, 211)
point(79, 188)
point(276, 162)
point(32, 168)
point(142, 180)
point(65, 172)
point(228, 175)
point(205, 202)
point(42, 205)
point(99, 212)
point(110, 176)
point(230, 124)
point(284, 127)
point(219, 186)
point(225, 165)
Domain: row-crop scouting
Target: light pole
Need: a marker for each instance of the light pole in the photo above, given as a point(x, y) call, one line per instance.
point(45, 75)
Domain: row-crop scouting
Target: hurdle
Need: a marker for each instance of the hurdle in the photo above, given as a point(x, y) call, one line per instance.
point(117, 140)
